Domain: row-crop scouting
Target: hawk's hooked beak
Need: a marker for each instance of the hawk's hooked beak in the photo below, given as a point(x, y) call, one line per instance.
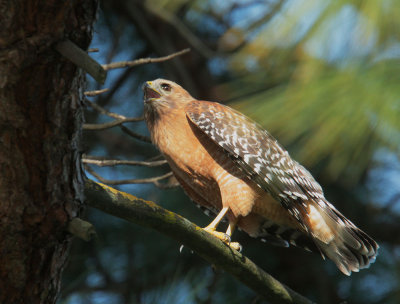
point(150, 93)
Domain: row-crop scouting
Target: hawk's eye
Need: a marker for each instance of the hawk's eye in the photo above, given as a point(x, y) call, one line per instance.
point(166, 87)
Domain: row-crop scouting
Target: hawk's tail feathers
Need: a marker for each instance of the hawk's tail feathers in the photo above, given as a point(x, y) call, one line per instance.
point(350, 249)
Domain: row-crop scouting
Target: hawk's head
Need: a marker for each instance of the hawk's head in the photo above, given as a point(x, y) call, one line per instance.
point(163, 100)
point(162, 93)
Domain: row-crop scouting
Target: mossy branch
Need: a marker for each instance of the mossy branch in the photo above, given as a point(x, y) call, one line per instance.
point(149, 214)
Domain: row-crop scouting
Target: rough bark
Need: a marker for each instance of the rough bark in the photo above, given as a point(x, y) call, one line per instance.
point(41, 186)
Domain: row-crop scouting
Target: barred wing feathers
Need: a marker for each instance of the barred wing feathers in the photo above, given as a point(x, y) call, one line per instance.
point(257, 153)
point(269, 165)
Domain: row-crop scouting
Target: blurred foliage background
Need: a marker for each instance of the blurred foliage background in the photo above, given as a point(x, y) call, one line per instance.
point(322, 76)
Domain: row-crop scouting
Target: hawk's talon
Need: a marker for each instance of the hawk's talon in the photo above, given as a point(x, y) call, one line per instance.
point(227, 238)
point(219, 235)
point(224, 238)
point(236, 246)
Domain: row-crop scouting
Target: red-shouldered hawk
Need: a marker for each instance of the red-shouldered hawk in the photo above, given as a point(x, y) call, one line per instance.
point(228, 164)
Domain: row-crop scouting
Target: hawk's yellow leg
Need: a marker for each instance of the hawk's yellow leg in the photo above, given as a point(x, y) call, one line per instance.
point(225, 237)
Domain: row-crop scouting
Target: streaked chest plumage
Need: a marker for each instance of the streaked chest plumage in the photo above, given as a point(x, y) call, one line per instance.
point(199, 164)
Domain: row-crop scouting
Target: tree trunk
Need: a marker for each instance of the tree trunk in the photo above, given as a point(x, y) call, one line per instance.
point(41, 186)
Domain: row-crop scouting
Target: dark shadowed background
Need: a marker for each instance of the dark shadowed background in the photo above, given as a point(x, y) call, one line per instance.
point(322, 76)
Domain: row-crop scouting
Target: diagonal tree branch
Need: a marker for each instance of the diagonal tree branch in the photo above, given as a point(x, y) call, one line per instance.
point(111, 124)
point(149, 214)
point(102, 162)
point(129, 64)
point(150, 180)
point(135, 135)
point(96, 92)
